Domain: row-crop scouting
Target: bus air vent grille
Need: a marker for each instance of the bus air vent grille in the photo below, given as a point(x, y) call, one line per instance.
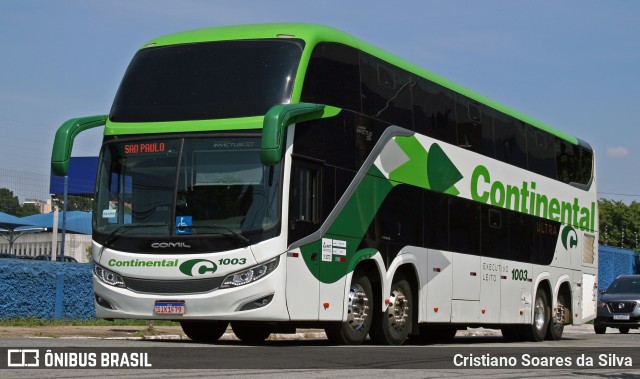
point(157, 286)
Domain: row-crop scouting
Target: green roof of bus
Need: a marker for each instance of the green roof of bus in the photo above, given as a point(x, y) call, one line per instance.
point(313, 34)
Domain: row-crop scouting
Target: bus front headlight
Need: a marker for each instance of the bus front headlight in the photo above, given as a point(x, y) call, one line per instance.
point(108, 277)
point(250, 275)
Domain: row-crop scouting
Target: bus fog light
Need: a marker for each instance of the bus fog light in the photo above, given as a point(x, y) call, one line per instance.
point(250, 275)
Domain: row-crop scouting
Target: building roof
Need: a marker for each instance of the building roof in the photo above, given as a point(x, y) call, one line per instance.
point(77, 221)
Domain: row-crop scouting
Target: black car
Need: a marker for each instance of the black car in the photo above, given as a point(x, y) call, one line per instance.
point(58, 258)
point(7, 255)
point(618, 305)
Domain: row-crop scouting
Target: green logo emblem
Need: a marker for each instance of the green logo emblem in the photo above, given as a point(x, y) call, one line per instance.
point(198, 267)
point(569, 237)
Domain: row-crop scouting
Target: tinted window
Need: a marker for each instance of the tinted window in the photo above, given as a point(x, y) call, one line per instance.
point(331, 140)
point(305, 208)
point(541, 151)
point(436, 220)
point(495, 233)
point(386, 91)
point(464, 225)
point(333, 77)
point(434, 111)
point(625, 285)
point(586, 166)
point(567, 161)
point(469, 124)
point(207, 80)
point(544, 242)
point(344, 141)
point(520, 237)
point(399, 219)
point(510, 141)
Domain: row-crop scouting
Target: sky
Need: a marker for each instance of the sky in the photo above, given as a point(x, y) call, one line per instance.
point(572, 64)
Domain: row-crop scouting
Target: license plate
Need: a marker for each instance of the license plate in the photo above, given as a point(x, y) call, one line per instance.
point(170, 308)
point(620, 317)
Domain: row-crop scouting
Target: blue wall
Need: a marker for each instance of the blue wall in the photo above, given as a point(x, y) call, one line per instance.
point(614, 261)
point(28, 289)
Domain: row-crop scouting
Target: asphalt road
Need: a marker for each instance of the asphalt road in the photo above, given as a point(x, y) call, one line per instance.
point(467, 356)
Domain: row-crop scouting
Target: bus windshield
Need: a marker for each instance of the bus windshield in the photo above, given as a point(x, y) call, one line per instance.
point(187, 187)
point(208, 80)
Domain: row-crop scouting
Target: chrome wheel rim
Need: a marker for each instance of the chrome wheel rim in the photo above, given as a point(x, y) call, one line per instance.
point(357, 308)
point(398, 311)
point(539, 314)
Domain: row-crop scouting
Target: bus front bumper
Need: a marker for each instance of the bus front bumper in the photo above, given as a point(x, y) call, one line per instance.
point(262, 300)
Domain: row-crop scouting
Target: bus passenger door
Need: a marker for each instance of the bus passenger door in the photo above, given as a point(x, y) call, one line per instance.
point(303, 264)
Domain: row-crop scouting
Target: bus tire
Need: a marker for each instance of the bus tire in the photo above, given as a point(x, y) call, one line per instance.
point(251, 332)
point(541, 315)
point(392, 327)
point(354, 331)
point(204, 331)
point(511, 333)
point(556, 327)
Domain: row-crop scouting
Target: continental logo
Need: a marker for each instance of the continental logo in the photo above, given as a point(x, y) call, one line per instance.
point(524, 197)
point(142, 263)
point(192, 267)
point(569, 238)
point(198, 267)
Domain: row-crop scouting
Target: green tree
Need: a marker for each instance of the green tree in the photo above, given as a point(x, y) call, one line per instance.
point(8, 202)
point(74, 203)
point(619, 223)
point(27, 210)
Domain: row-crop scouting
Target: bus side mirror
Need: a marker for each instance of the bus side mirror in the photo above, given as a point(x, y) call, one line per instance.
point(275, 123)
point(63, 142)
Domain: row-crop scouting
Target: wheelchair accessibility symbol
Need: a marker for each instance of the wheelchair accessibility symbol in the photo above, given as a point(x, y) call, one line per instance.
point(183, 224)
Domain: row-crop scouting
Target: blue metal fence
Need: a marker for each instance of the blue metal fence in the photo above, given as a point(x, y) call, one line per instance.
point(54, 290)
point(614, 261)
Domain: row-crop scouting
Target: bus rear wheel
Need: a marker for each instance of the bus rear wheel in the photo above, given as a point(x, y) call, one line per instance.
point(251, 332)
point(204, 331)
point(556, 324)
point(392, 326)
point(355, 329)
point(541, 315)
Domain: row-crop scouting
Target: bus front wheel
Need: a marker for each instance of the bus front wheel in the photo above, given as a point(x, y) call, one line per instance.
point(251, 332)
point(359, 307)
point(204, 331)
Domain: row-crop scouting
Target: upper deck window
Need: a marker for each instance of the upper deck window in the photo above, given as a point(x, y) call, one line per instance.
point(209, 80)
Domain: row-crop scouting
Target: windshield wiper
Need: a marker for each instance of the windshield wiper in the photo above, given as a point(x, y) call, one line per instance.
point(232, 233)
point(112, 237)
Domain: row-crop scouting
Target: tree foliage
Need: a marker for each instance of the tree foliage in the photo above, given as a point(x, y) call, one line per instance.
point(619, 224)
point(74, 203)
point(11, 205)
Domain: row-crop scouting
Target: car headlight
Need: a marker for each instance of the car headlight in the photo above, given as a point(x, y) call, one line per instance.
point(108, 277)
point(250, 275)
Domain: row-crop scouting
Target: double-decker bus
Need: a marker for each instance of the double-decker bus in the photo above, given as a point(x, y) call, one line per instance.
point(287, 175)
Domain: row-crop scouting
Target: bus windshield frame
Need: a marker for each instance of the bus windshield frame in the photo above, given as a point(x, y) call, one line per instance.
point(210, 187)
